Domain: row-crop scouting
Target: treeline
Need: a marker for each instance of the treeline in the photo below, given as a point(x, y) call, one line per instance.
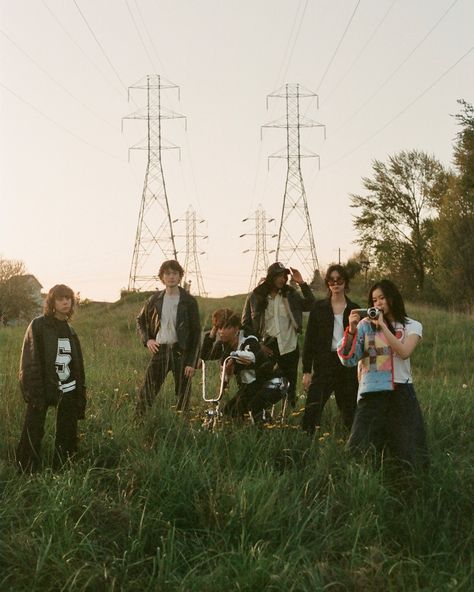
point(416, 222)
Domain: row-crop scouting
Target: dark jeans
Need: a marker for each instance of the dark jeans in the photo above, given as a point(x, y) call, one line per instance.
point(168, 358)
point(288, 364)
point(254, 398)
point(392, 420)
point(336, 379)
point(29, 447)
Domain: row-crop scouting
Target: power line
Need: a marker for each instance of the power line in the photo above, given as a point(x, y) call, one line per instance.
point(410, 104)
point(338, 45)
point(89, 59)
point(150, 37)
point(366, 44)
point(140, 37)
point(57, 124)
point(59, 84)
point(278, 84)
point(100, 46)
point(387, 80)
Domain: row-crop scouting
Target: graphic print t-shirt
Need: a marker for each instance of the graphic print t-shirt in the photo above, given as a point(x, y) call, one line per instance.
point(64, 368)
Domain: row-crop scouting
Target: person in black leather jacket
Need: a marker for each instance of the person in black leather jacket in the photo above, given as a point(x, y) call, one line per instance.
point(169, 327)
point(273, 312)
point(51, 374)
point(323, 373)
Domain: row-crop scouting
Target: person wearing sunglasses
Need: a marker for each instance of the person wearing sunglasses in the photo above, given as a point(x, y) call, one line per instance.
point(323, 373)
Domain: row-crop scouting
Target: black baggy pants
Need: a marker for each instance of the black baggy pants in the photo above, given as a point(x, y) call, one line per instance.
point(169, 358)
point(391, 420)
point(336, 379)
point(28, 452)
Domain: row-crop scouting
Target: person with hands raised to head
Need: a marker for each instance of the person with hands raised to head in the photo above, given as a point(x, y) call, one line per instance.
point(388, 415)
point(273, 312)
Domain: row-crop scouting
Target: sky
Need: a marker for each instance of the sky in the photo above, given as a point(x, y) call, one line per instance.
point(388, 74)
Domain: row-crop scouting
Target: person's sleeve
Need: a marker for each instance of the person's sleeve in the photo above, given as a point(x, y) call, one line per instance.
point(350, 354)
point(31, 375)
point(246, 320)
point(414, 328)
point(309, 342)
point(211, 349)
point(142, 324)
point(194, 335)
point(308, 298)
point(82, 393)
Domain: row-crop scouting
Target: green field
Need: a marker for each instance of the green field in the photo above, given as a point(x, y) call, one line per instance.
point(167, 506)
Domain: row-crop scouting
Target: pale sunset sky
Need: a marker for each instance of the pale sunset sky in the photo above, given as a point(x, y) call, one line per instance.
point(388, 74)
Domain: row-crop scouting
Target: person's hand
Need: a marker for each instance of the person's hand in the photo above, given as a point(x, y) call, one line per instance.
point(189, 371)
point(354, 319)
point(213, 332)
point(379, 321)
point(152, 346)
point(296, 275)
point(307, 378)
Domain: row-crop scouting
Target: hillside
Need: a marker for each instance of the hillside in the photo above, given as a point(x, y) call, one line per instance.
point(166, 506)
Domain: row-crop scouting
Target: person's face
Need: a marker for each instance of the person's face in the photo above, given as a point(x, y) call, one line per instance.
point(336, 283)
point(280, 280)
point(380, 302)
point(227, 334)
point(171, 278)
point(62, 306)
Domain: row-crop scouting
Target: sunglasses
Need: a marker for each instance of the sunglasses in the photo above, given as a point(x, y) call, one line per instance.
point(335, 281)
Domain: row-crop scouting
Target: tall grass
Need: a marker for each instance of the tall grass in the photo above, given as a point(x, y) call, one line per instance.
point(163, 505)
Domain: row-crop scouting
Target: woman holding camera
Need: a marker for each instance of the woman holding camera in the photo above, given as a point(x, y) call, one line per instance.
point(388, 414)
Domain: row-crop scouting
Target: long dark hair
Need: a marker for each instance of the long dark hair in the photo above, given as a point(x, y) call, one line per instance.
point(393, 297)
point(58, 291)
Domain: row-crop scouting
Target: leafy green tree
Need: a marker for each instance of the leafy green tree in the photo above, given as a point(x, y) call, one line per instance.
point(454, 236)
point(395, 219)
point(16, 298)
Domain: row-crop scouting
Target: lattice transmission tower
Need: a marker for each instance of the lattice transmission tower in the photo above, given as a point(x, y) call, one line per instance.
point(192, 269)
point(260, 262)
point(154, 239)
point(295, 244)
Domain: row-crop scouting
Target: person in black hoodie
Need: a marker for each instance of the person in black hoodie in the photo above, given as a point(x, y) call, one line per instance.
point(323, 373)
point(51, 374)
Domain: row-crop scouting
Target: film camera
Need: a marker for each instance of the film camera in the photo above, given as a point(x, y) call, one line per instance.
point(372, 312)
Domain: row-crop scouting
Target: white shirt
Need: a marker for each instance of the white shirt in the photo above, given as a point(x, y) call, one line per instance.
point(402, 368)
point(338, 330)
point(278, 324)
point(167, 331)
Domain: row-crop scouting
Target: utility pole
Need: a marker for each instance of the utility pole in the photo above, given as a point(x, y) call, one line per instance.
point(192, 269)
point(295, 244)
point(154, 237)
point(260, 262)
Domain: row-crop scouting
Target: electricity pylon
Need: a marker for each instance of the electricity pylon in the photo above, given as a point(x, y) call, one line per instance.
point(154, 233)
point(192, 269)
point(260, 262)
point(295, 245)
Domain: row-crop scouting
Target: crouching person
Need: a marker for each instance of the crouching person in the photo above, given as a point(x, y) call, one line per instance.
point(51, 374)
point(260, 384)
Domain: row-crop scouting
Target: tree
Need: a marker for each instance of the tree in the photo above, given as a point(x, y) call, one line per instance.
point(395, 222)
point(454, 229)
point(16, 298)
